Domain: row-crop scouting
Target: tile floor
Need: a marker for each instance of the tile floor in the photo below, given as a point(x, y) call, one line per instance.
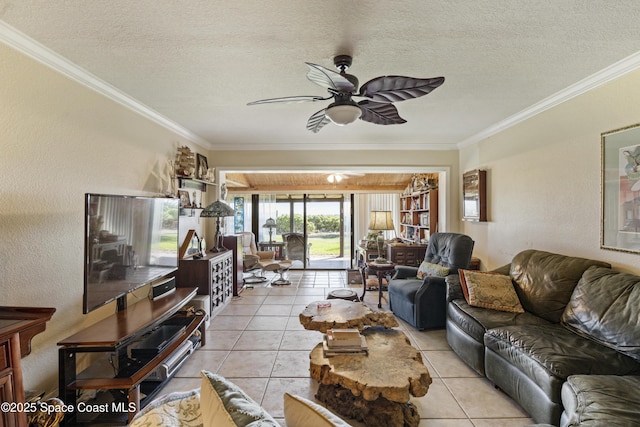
point(258, 343)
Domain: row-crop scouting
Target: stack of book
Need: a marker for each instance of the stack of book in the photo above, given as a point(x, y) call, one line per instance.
point(344, 341)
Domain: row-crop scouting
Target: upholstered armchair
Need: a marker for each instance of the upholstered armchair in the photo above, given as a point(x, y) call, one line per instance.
point(251, 257)
point(422, 302)
point(295, 247)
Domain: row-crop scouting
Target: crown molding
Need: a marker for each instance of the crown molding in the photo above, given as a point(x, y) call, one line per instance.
point(31, 48)
point(612, 72)
point(336, 146)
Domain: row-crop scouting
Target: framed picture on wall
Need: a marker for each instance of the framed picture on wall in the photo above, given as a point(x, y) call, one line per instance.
point(620, 184)
point(474, 196)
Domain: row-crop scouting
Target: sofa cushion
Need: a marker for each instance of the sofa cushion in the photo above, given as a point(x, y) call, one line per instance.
point(596, 400)
point(475, 321)
point(301, 412)
point(224, 404)
point(490, 290)
point(544, 281)
point(428, 269)
point(178, 409)
point(549, 354)
point(605, 306)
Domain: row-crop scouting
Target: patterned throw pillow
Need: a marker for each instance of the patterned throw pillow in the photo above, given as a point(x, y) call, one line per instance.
point(224, 404)
point(490, 290)
point(428, 269)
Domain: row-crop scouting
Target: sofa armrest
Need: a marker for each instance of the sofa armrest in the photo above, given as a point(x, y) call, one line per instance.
point(405, 272)
point(454, 287)
point(505, 270)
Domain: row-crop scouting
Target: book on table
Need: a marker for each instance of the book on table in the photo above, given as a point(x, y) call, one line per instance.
point(344, 341)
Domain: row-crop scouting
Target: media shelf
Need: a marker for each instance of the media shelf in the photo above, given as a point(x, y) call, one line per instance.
point(127, 355)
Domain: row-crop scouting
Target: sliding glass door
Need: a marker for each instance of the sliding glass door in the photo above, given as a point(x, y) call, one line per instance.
point(324, 221)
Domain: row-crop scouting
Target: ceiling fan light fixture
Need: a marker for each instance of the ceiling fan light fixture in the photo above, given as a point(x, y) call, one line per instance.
point(343, 114)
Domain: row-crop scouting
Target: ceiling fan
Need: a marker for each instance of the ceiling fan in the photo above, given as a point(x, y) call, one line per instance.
point(337, 177)
point(379, 94)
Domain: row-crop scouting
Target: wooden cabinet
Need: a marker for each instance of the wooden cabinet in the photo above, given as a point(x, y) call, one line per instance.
point(18, 325)
point(128, 355)
point(234, 244)
point(411, 255)
point(419, 216)
point(212, 275)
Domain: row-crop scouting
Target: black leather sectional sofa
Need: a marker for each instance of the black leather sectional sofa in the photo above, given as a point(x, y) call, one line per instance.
point(580, 332)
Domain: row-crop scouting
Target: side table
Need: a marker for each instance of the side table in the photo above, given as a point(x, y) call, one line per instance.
point(277, 247)
point(379, 270)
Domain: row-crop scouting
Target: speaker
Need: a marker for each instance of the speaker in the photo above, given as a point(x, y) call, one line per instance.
point(162, 289)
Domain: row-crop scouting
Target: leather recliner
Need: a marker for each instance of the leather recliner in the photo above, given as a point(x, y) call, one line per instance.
point(422, 302)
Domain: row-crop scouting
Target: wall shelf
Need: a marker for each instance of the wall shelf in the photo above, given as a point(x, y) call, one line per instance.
point(194, 184)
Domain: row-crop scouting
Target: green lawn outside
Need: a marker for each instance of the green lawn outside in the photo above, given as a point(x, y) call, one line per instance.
point(324, 244)
point(166, 243)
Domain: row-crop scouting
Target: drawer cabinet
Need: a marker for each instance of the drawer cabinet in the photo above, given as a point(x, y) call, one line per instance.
point(212, 275)
point(411, 255)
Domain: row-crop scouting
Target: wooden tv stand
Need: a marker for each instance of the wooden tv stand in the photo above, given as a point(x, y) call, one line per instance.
point(124, 383)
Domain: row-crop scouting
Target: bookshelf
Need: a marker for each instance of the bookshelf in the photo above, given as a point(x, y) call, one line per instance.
point(418, 216)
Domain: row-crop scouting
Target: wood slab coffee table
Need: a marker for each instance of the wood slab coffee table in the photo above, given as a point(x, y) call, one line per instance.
point(373, 388)
point(343, 314)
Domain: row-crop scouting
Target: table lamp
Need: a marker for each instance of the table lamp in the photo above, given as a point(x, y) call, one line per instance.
point(217, 210)
point(380, 221)
point(270, 224)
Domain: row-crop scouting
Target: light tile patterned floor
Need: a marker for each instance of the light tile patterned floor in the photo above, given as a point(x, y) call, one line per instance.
point(258, 343)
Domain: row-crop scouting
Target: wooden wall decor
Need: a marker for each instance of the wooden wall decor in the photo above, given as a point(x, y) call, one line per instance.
point(474, 196)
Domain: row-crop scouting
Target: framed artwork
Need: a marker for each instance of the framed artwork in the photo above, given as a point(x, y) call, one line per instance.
point(474, 196)
point(202, 167)
point(620, 189)
point(185, 200)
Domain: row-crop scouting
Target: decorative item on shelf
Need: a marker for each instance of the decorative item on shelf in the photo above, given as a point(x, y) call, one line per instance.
point(217, 210)
point(270, 224)
point(381, 221)
point(185, 164)
point(210, 175)
point(202, 167)
point(185, 200)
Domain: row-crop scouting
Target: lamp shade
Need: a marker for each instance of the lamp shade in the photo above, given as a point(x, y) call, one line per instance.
point(271, 223)
point(217, 209)
point(380, 220)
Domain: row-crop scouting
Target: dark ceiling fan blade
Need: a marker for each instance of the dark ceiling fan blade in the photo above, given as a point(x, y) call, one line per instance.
point(290, 99)
point(317, 121)
point(329, 79)
point(398, 88)
point(380, 113)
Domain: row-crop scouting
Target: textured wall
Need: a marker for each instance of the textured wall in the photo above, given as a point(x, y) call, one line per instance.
point(59, 141)
point(544, 178)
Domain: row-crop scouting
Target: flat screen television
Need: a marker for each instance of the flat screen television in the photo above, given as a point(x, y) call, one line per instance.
point(130, 241)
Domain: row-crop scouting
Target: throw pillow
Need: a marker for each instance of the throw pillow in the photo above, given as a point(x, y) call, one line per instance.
point(301, 412)
point(427, 269)
point(224, 404)
point(490, 290)
point(180, 408)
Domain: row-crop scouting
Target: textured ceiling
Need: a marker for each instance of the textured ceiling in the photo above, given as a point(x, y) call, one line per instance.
point(198, 63)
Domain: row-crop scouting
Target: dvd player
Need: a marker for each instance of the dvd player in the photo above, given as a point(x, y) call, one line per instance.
point(156, 341)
